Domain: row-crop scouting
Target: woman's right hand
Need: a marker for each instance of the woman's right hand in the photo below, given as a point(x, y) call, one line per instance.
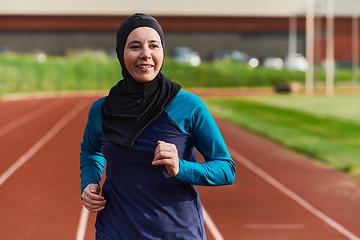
point(91, 198)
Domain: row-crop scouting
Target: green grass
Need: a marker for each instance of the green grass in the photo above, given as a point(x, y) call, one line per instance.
point(311, 126)
point(91, 71)
point(24, 73)
point(345, 108)
point(96, 71)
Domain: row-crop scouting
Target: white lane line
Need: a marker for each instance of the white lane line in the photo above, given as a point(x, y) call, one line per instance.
point(28, 117)
point(211, 226)
point(82, 224)
point(46, 138)
point(291, 194)
point(274, 226)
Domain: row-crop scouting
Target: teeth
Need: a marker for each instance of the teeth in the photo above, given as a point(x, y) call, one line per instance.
point(145, 66)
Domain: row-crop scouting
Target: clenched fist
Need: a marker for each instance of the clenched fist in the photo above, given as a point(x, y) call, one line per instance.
point(91, 198)
point(166, 154)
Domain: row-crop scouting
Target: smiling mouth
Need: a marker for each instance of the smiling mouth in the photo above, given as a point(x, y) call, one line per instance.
point(145, 66)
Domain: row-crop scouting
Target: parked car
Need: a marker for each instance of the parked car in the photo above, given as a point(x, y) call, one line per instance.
point(296, 62)
point(343, 64)
point(186, 55)
point(273, 62)
point(4, 49)
point(236, 55)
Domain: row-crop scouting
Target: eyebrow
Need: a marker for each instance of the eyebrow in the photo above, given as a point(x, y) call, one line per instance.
point(139, 42)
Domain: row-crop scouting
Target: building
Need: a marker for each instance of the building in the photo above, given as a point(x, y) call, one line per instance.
point(259, 27)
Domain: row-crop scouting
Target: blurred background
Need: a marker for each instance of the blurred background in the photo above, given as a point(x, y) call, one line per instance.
point(69, 45)
point(287, 70)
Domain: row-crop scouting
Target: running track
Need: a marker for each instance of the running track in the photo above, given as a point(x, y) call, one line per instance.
point(277, 194)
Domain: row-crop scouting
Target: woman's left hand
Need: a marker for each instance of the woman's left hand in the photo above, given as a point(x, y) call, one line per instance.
point(166, 154)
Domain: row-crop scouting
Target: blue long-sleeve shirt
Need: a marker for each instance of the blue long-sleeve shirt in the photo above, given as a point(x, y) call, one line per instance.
point(143, 201)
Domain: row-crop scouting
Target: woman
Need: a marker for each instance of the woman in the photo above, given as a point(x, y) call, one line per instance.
point(148, 131)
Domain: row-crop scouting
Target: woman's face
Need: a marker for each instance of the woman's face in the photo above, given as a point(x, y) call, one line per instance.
point(143, 54)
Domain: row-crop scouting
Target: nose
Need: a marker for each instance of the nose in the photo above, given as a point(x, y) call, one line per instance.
point(146, 53)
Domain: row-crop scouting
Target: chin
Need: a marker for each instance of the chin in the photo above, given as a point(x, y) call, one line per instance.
point(144, 80)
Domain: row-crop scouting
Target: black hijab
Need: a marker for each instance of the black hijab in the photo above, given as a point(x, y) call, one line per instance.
point(131, 105)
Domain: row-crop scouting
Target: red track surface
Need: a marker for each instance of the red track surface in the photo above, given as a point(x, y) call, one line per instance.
point(278, 195)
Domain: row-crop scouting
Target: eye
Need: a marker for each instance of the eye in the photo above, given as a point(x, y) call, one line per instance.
point(154, 46)
point(134, 46)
